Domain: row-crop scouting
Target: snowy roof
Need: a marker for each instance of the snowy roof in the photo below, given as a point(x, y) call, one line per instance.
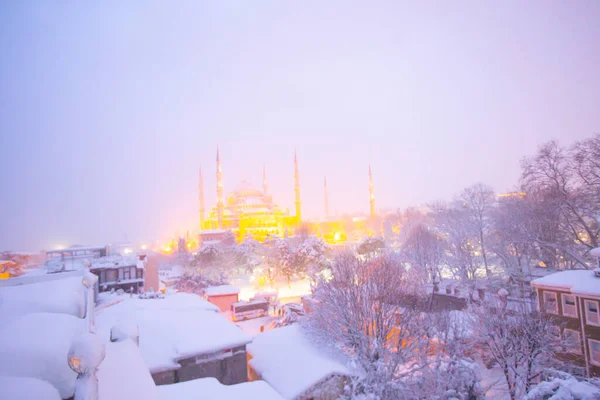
point(221, 290)
point(576, 281)
point(179, 326)
point(595, 252)
point(69, 249)
point(288, 362)
point(12, 387)
point(212, 389)
point(36, 346)
point(65, 296)
point(123, 374)
point(116, 262)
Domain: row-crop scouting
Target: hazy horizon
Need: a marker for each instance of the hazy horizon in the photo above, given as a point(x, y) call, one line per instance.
point(108, 110)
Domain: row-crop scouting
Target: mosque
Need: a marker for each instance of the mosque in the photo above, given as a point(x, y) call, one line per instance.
point(249, 211)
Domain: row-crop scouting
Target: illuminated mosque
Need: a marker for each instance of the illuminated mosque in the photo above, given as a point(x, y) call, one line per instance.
point(249, 211)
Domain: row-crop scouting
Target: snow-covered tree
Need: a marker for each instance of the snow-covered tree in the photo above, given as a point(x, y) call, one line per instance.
point(250, 252)
point(478, 201)
point(371, 246)
point(424, 250)
point(565, 183)
point(514, 338)
point(558, 385)
point(372, 311)
point(311, 256)
point(462, 248)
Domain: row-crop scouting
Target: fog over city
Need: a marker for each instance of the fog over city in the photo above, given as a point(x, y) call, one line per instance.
point(300, 200)
point(108, 110)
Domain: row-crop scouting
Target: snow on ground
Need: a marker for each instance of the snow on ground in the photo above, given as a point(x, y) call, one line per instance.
point(36, 345)
point(252, 326)
point(65, 296)
point(123, 374)
point(178, 326)
point(493, 381)
point(296, 289)
point(14, 388)
point(288, 362)
point(211, 389)
point(560, 389)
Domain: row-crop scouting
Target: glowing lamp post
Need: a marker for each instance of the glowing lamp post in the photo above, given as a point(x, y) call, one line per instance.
point(85, 355)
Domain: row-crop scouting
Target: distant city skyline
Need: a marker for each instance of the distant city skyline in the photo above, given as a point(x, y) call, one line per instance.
point(107, 112)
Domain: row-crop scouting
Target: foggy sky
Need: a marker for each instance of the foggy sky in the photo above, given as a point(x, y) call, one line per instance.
point(107, 109)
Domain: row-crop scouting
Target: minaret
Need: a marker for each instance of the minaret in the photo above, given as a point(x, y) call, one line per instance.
point(326, 200)
point(371, 193)
point(220, 204)
point(265, 186)
point(201, 197)
point(297, 188)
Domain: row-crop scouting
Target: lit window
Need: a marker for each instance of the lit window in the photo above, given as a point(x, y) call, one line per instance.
point(572, 341)
point(591, 312)
point(568, 305)
point(550, 304)
point(594, 351)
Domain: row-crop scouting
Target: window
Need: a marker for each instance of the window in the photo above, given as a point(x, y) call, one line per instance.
point(126, 274)
point(572, 341)
point(111, 275)
point(550, 304)
point(594, 351)
point(591, 312)
point(569, 305)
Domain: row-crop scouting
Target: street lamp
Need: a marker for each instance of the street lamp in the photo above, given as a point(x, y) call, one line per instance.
point(85, 355)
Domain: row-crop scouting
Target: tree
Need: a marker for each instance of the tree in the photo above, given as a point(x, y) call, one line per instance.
point(250, 252)
point(512, 221)
point(515, 338)
point(372, 311)
point(371, 246)
point(478, 201)
point(564, 183)
point(460, 238)
point(424, 251)
point(310, 256)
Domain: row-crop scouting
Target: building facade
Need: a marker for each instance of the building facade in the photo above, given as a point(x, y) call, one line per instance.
point(572, 298)
point(119, 272)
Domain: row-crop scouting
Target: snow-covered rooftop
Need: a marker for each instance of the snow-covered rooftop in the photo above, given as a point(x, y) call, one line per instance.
point(70, 249)
point(576, 281)
point(290, 363)
point(123, 374)
point(65, 296)
point(12, 387)
point(178, 326)
point(221, 290)
point(36, 346)
point(595, 252)
point(116, 262)
point(212, 389)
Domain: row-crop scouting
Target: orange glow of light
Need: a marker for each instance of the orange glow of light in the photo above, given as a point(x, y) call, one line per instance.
point(188, 245)
point(167, 249)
